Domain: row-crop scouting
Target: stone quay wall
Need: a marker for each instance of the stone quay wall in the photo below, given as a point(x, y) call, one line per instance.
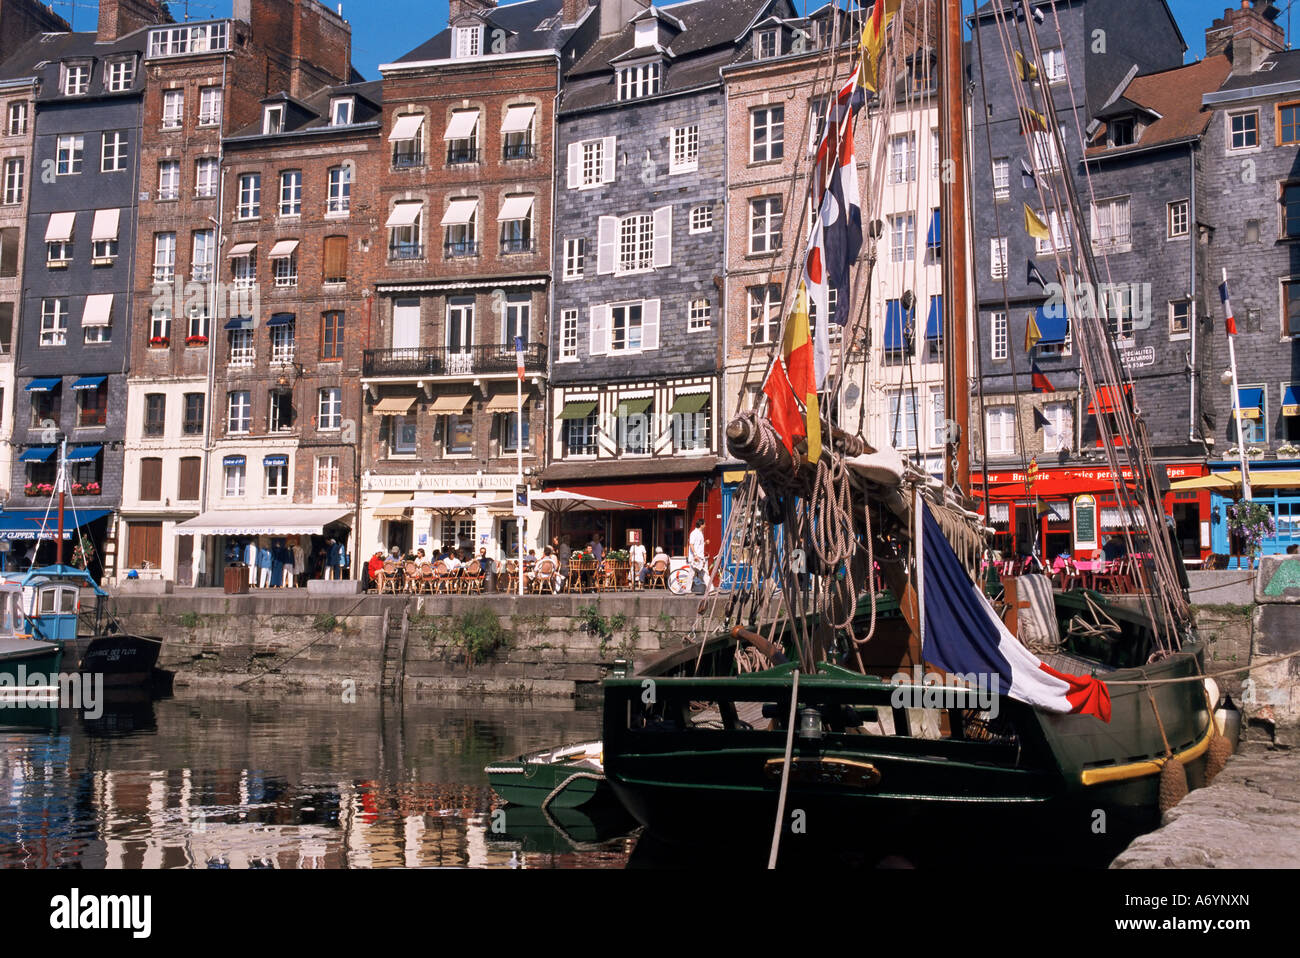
point(558, 646)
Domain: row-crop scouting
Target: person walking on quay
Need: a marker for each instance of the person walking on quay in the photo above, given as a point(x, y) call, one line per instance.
point(338, 559)
point(699, 561)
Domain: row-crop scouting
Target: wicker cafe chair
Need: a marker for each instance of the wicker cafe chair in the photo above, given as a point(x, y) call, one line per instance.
point(578, 569)
point(426, 581)
point(441, 577)
point(471, 577)
point(389, 577)
point(508, 580)
point(658, 575)
point(543, 574)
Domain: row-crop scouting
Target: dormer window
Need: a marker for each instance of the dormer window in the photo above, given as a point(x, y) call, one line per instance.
point(467, 42)
point(1122, 132)
point(767, 44)
point(119, 75)
point(273, 120)
point(341, 111)
point(639, 81)
point(76, 79)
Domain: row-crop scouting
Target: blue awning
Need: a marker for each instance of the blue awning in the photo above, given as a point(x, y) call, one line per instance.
point(895, 323)
point(240, 322)
point(44, 385)
point(233, 461)
point(1250, 403)
point(84, 453)
point(934, 239)
point(275, 460)
point(37, 454)
point(934, 325)
point(28, 523)
point(1290, 405)
point(89, 382)
point(1052, 324)
point(280, 319)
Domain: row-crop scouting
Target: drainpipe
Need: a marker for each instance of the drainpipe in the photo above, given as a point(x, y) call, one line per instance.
point(1192, 317)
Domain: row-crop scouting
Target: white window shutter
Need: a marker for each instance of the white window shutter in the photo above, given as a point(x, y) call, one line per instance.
point(607, 245)
point(608, 154)
point(663, 236)
point(575, 165)
point(599, 330)
point(649, 324)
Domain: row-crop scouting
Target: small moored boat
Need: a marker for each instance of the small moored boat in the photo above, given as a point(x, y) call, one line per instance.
point(566, 777)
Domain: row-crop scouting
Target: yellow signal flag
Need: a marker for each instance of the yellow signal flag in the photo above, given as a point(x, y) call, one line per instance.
point(798, 357)
point(1032, 335)
point(1035, 226)
point(1028, 71)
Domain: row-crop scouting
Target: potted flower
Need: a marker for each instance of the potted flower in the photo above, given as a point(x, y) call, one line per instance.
point(1248, 524)
point(78, 488)
point(30, 489)
point(92, 488)
point(196, 340)
point(159, 342)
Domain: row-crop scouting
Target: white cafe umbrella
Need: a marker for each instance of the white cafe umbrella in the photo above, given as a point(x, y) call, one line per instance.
point(557, 501)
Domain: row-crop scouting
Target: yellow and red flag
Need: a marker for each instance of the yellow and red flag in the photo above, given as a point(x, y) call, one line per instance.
point(873, 42)
point(792, 382)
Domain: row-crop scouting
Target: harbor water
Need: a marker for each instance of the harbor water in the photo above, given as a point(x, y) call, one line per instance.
point(243, 780)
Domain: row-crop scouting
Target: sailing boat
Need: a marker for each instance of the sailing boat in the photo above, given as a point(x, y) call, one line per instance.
point(46, 608)
point(863, 734)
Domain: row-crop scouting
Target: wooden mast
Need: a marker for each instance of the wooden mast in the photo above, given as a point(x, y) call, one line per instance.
point(953, 200)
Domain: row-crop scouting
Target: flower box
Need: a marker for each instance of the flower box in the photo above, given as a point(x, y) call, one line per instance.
point(196, 340)
point(38, 489)
point(85, 489)
point(159, 342)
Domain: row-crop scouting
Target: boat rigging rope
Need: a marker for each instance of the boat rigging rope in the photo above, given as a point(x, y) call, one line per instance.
point(785, 771)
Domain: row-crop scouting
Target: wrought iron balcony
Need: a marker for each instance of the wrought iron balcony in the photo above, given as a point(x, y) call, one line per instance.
point(519, 151)
point(439, 361)
point(462, 154)
point(406, 159)
point(457, 249)
point(520, 244)
point(405, 251)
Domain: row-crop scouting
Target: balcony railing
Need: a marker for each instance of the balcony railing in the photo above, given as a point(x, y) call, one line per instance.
point(405, 160)
point(454, 250)
point(406, 251)
point(440, 361)
point(518, 151)
point(518, 245)
point(462, 154)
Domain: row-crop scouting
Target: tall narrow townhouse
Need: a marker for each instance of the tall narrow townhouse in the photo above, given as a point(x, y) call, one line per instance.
point(17, 108)
point(75, 325)
point(1090, 49)
point(466, 193)
point(206, 80)
point(639, 259)
point(1251, 229)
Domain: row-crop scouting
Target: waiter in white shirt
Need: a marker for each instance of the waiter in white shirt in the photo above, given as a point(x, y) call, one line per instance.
point(699, 561)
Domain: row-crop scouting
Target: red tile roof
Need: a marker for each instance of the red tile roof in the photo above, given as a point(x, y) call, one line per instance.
point(1174, 94)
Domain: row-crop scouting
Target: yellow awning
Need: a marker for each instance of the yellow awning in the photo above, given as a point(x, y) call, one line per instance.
point(1231, 481)
point(394, 405)
point(450, 405)
point(1218, 481)
point(393, 504)
point(504, 402)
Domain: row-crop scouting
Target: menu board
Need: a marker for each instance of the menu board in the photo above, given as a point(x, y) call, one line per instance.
point(1085, 523)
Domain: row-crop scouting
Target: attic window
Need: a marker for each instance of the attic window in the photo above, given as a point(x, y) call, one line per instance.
point(76, 79)
point(468, 42)
point(639, 81)
point(766, 44)
point(273, 119)
point(1121, 132)
point(341, 111)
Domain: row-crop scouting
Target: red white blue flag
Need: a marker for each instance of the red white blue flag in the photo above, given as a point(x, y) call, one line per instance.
point(839, 206)
point(1228, 318)
point(519, 357)
point(964, 636)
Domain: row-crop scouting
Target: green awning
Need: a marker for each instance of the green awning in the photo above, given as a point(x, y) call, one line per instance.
point(578, 409)
point(634, 407)
point(688, 403)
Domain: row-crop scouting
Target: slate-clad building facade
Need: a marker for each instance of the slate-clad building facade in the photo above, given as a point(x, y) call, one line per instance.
point(640, 306)
point(75, 325)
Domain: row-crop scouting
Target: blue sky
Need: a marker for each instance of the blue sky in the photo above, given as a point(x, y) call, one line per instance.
point(383, 31)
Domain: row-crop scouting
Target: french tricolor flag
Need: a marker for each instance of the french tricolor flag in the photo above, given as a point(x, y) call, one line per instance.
point(1228, 318)
point(519, 357)
point(963, 635)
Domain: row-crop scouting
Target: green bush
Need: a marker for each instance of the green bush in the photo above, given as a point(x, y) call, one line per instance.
point(325, 622)
point(479, 633)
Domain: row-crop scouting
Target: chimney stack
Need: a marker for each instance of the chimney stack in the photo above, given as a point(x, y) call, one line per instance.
point(458, 8)
point(117, 18)
point(573, 10)
point(1246, 35)
point(614, 14)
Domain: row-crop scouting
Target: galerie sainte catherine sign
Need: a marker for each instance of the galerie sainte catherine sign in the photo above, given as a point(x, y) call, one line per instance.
point(497, 483)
